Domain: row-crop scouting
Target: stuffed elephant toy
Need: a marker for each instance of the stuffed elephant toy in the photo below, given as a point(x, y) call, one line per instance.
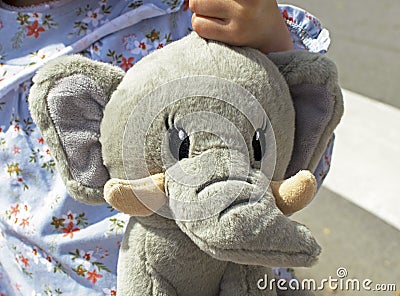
point(207, 147)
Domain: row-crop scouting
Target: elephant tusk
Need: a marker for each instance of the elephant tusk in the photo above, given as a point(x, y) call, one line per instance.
point(295, 193)
point(140, 197)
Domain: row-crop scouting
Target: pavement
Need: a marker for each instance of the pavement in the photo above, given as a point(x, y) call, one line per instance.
point(356, 214)
point(352, 239)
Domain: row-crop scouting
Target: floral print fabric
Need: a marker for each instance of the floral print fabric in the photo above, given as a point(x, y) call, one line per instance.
point(49, 243)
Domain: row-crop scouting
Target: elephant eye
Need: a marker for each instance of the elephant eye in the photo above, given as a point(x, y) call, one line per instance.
point(258, 144)
point(179, 142)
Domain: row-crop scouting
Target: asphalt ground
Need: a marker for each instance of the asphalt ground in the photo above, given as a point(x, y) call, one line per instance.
point(353, 239)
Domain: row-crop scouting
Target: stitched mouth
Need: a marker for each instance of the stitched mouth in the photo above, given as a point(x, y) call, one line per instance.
point(223, 179)
point(236, 203)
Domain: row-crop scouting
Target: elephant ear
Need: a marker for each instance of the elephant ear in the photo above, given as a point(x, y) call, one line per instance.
point(67, 102)
point(313, 82)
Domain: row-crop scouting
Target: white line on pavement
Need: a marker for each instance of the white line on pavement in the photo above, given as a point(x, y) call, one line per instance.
point(366, 158)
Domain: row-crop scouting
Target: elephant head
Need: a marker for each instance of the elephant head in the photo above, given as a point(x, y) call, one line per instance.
point(200, 133)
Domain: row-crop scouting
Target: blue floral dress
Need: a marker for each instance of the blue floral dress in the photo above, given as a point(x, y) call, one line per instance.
point(49, 243)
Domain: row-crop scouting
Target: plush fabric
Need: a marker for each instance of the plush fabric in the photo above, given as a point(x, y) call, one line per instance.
point(66, 102)
point(318, 103)
point(220, 229)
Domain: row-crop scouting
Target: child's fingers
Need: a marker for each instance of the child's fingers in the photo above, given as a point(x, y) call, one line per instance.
point(208, 27)
point(255, 23)
point(214, 29)
point(211, 8)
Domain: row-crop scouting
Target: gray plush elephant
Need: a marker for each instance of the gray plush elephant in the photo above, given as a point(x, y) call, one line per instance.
point(188, 148)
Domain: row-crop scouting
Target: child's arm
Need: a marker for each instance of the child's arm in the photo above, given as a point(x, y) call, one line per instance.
point(255, 23)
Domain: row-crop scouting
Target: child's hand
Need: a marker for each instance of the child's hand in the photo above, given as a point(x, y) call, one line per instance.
point(254, 23)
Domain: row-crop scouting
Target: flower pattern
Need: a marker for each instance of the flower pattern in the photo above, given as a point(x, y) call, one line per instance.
point(31, 25)
point(126, 63)
point(34, 29)
point(43, 231)
point(93, 17)
point(141, 47)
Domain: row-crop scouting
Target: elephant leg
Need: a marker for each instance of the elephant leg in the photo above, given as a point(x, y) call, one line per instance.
point(240, 280)
point(136, 277)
